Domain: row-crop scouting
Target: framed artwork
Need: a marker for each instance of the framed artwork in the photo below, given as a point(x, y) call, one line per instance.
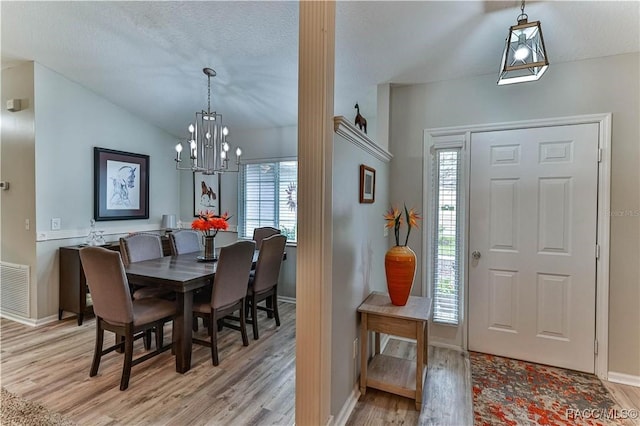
point(120, 185)
point(206, 193)
point(367, 184)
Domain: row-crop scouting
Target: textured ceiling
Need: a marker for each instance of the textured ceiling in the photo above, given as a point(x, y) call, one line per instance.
point(148, 56)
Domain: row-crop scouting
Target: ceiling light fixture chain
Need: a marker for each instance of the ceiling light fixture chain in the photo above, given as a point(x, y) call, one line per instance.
point(522, 16)
point(207, 140)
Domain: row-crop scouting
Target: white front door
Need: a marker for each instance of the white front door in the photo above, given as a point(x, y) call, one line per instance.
point(532, 228)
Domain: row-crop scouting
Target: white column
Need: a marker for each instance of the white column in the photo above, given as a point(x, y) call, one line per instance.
point(314, 262)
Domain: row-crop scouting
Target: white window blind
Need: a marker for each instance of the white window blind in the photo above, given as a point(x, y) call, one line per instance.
point(446, 240)
point(268, 197)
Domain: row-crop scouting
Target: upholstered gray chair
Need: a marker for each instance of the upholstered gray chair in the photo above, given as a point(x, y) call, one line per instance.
point(139, 247)
point(184, 241)
point(263, 285)
point(260, 234)
point(116, 312)
point(228, 295)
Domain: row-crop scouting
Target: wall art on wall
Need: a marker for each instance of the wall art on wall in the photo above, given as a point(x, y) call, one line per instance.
point(120, 185)
point(367, 184)
point(206, 193)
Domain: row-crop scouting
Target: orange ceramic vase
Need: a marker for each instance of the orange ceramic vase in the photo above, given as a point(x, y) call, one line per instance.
point(400, 268)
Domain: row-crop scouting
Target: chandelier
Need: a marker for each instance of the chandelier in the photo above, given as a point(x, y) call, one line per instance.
point(207, 142)
point(524, 57)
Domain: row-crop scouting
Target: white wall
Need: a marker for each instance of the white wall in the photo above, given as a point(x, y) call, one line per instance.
point(610, 84)
point(70, 120)
point(359, 247)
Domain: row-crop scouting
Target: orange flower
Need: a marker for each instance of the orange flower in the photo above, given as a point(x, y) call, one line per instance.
point(207, 222)
point(413, 217)
point(395, 220)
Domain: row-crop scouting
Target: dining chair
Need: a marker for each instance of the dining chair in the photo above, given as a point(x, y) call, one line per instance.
point(263, 285)
point(188, 241)
point(115, 310)
point(260, 234)
point(228, 295)
point(184, 241)
point(138, 247)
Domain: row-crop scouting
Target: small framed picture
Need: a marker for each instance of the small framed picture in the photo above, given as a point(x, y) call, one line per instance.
point(121, 185)
point(206, 193)
point(367, 184)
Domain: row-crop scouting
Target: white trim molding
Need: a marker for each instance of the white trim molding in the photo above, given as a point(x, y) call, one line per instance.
point(347, 407)
point(344, 128)
point(31, 322)
point(624, 379)
point(285, 299)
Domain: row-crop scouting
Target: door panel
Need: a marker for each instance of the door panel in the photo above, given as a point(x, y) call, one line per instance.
point(533, 218)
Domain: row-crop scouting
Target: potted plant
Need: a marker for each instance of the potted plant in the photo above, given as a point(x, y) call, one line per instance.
point(400, 260)
point(209, 224)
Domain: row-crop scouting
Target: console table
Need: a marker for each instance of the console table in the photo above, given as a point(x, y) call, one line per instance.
point(73, 283)
point(391, 374)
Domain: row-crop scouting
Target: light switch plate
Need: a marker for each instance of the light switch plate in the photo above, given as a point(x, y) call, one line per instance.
point(55, 224)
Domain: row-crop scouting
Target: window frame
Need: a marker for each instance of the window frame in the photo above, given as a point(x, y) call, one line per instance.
point(241, 227)
point(434, 144)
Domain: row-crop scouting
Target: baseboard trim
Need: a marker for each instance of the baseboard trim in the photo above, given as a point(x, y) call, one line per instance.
point(31, 322)
point(347, 408)
point(623, 379)
point(287, 299)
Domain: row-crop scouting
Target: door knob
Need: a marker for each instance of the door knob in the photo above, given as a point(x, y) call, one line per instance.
point(476, 255)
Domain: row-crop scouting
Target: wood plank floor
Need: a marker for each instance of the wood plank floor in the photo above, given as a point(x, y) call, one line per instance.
point(446, 397)
point(252, 385)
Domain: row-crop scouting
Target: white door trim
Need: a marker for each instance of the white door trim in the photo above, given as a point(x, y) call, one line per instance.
point(604, 208)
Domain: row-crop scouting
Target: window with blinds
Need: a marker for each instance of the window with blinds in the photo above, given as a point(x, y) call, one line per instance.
point(268, 197)
point(446, 238)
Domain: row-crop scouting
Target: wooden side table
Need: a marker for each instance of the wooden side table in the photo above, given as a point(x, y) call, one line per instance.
point(391, 374)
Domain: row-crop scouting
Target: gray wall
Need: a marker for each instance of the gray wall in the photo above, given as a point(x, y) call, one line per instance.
point(359, 247)
point(17, 166)
point(602, 85)
point(69, 121)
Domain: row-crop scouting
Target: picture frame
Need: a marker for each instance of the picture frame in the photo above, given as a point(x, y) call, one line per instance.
point(367, 184)
point(206, 193)
point(120, 185)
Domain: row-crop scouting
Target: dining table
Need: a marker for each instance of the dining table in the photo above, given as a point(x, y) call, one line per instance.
point(183, 274)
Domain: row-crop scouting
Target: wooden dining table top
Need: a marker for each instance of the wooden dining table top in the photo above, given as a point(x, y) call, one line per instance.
point(179, 273)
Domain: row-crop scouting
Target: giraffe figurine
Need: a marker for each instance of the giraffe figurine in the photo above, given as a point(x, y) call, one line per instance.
point(361, 122)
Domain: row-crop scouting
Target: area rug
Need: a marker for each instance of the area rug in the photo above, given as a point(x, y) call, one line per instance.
point(16, 411)
point(512, 392)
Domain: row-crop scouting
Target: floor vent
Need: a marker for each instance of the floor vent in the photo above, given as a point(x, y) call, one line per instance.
point(14, 289)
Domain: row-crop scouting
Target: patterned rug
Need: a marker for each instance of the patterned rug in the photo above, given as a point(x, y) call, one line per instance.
point(16, 411)
point(512, 392)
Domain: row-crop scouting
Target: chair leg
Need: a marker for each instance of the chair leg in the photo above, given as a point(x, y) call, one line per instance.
point(119, 341)
point(159, 335)
point(243, 325)
point(275, 309)
point(195, 323)
point(269, 310)
point(254, 317)
point(147, 339)
point(128, 357)
point(97, 353)
point(214, 340)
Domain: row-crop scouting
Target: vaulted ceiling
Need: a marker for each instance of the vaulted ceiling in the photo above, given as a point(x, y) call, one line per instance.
point(148, 56)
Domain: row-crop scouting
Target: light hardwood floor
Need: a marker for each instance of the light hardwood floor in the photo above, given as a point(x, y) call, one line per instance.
point(252, 385)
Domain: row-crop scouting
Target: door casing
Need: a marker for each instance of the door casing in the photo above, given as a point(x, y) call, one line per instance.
point(603, 224)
